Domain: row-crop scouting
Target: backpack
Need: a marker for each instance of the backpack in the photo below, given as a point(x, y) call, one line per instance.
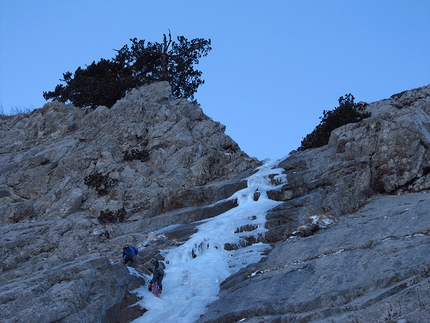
point(160, 271)
point(134, 250)
point(161, 267)
point(130, 251)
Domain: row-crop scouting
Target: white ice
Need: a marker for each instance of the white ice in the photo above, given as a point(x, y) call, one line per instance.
point(195, 269)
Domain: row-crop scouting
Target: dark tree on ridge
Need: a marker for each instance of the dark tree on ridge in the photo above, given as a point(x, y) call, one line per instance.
point(105, 82)
point(347, 112)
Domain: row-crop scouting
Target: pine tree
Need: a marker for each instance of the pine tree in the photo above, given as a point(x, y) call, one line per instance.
point(105, 82)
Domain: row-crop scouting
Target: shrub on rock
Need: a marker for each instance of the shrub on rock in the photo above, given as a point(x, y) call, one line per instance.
point(347, 112)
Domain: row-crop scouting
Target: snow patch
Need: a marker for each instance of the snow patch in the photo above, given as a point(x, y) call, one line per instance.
point(196, 268)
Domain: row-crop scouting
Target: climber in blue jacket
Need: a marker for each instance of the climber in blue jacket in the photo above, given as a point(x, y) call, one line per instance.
point(128, 254)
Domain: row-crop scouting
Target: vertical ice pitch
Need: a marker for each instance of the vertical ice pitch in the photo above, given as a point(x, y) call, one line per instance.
point(196, 268)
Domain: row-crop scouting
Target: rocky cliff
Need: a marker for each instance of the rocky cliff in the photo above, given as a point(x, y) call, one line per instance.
point(370, 265)
point(76, 185)
point(349, 239)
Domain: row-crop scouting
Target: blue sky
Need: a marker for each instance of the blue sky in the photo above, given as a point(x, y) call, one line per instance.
point(274, 67)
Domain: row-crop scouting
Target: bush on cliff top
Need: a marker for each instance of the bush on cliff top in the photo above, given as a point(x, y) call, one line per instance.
point(347, 112)
point(105, 82)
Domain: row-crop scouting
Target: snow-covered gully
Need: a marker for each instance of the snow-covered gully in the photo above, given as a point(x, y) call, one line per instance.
point(195, 269)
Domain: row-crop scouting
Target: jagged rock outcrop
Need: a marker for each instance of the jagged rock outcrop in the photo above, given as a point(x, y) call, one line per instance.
point(77, 184)
point(387, 153)
point(145, 154)
point(350, 240)
point(371, 264)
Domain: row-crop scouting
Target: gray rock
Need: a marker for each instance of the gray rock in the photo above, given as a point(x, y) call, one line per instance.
point(349, 241)
point(63, 291)
point(371, 266)
point(149, 162)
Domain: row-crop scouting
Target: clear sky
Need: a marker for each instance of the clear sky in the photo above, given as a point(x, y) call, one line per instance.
point(274, 67)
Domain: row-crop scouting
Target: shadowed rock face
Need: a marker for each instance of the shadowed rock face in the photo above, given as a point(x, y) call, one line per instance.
point(350, 238)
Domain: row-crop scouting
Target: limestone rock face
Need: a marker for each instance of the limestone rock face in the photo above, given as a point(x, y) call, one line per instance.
point(368, 188)
point(75, 185)
point(144, 154)
point(371, 266)
point(350, 239)
point(387, 153)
